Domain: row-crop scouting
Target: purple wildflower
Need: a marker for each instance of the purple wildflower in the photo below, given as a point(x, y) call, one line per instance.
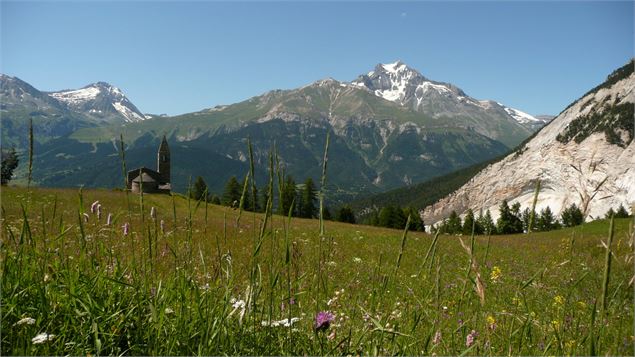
point(109, 219)
point(126, 228)
point(469, 341)
point(323, 320)
point(93, 207)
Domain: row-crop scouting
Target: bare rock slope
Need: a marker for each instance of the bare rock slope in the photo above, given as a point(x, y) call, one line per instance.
point(586, 156)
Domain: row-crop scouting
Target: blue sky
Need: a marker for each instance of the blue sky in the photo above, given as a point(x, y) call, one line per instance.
point(175, 57)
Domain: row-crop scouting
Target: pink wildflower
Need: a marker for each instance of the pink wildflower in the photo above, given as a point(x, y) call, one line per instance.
point(469, 341)
point(323, 320)
point(126, 228)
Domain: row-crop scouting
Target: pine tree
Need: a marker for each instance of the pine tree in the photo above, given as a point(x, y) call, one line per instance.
point(416, 223)
point(232, 193)
point(288, 197)
point(308, 198)
point(264, 198)
point(454, 225)
point(610, 213)
point(526, 217)
point(621, 212)
point(199, 190)
point(386, 216)
point(487, 223)
point(468, 222)
point(516, 219)
point(546, 220)
point(509, 221)
point(326, 214)
point(9, 164)
point(399, 218)
point(373, 218)
point(572, 216)
point(345, 214)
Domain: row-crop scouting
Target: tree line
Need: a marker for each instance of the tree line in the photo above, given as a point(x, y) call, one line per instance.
point(393, 216)
point(297, 200)
point(512, 220)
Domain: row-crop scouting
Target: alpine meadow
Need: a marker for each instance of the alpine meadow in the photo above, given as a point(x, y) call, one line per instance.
point(363, 178)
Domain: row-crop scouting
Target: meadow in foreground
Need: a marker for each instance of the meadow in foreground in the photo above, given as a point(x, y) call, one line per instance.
point(164, 275)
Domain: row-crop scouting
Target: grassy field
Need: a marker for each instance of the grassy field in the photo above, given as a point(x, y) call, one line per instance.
point(191, 279)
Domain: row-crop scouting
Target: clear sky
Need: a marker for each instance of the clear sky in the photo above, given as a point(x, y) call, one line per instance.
point(177, 57)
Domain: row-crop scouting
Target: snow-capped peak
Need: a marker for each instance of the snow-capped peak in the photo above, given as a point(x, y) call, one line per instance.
point(395, 67)
point(518, 115)
point(100, 100)
point(402, 84)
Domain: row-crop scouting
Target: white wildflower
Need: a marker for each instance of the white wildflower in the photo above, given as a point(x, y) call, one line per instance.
point(41, 338)
point(357, 260)
point(25, 321)
point(168, 311)
point(283, 322)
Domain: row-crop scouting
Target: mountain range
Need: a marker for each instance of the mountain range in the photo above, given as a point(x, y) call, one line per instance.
point(585, 156)
point(390, 127)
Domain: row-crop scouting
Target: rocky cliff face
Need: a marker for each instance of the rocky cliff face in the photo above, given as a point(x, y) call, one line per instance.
point(591, 164)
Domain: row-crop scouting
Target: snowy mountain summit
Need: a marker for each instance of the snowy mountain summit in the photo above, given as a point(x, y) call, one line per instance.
point(101, 101)
point(397, 82)
point(585, 156)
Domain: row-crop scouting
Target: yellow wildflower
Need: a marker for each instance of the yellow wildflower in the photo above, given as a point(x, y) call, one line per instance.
point(582, 305)
point(558, 301)
point(496, 274)
point(491, 322)
point(555, 324)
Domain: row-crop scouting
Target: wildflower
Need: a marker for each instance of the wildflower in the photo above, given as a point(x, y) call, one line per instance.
point(569, 344)
point(491, 322)
point(93, 207)
point(582, 305)
point(283, 322)
point(126, 228)
point(555, 324)
point(109, 219)
point(558, 301)
point(86, 216)
point(162, 224)
point(98, 211)
point(41, 338)
point(357, 259)
point(25, 321)
point(323, 320)
point(168, 311)
point(437, 338)
point(469, 340)
point(237, 305)
point(332, 336)
point(495, 275)
point(153, 213)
